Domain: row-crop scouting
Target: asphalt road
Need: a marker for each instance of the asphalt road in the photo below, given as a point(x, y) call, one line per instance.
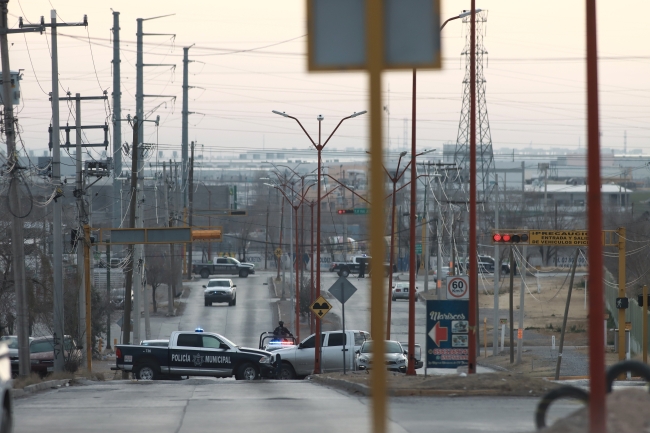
point(224, 406)
point(242, 323)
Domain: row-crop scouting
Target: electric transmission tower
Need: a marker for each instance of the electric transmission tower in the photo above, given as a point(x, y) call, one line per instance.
point(485, 158)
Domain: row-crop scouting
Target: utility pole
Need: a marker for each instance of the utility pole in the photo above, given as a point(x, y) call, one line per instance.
point(117, 125)
point(184, 124)
point(190, 187)
point(17, 239)
point(131, 263)
point(138, 259)
point(108, 293)
point(511, 318)
point(497, 272)
point(82, 220)
point(57, 235)
point(522, 292)
point(171, 288)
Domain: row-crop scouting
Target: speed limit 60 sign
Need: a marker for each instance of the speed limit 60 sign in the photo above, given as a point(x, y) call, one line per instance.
point(458, 287)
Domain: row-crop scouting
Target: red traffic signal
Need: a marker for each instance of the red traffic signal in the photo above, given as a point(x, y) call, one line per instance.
point(512, 238)
point(345, 211)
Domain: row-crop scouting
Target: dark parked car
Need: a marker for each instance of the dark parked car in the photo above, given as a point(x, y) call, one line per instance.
point(41, 354)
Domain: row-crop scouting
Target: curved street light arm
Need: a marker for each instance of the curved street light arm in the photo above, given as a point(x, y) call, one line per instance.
point(349, 189)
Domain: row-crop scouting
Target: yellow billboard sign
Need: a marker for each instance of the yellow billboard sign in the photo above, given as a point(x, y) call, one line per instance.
point(558, 237)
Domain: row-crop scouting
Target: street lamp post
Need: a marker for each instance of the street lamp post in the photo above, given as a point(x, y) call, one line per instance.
point(319, 148)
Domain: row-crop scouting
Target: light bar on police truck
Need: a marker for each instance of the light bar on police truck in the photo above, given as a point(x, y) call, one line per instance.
point(510, 237)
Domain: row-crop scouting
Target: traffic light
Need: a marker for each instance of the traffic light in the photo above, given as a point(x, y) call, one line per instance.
point(345, 211)
point(510, 238)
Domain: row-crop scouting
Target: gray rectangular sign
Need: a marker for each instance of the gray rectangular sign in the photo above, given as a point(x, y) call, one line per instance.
point(127, 236)
point(336, 34)
point(169, 235)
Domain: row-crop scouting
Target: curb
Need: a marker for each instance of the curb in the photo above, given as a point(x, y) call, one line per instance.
point(341, 384)
point(30, 389)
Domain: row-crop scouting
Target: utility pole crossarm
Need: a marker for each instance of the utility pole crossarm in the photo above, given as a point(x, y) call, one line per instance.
point(349, 189)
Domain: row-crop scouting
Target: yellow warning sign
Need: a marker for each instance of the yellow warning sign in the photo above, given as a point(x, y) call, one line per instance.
point(558, 237)
point(320, 307)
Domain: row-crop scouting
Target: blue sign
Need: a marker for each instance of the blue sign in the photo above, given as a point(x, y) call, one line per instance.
point(447, 333)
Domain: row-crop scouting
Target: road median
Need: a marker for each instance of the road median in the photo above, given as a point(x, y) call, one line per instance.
point(400, 385)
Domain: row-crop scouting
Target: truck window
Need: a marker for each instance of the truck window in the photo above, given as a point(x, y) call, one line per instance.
point(232, 261)
point(190, 340)
point(310, 343)
point(336, 339)
point(222, 261)
point(359, 338)
point(211, 342)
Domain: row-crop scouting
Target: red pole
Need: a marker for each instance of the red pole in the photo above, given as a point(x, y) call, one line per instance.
point(297, 277)
point(390, 272)
point(319, 148)
point(311, 260)
point(412, 262)
point(597, 402)
point(472, 271)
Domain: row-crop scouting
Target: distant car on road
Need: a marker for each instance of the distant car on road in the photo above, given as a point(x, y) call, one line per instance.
point(6, 402)
point(224, 266)
point(395, 356)
point(220, 290)
point(401, 291)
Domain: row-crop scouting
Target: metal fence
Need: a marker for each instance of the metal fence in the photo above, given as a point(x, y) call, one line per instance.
point(633, 314)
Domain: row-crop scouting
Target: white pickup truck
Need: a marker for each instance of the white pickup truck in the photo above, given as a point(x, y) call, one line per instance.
point(298, 361)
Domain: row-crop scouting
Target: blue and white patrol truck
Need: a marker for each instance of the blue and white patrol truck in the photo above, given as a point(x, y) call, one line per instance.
point(195, 353)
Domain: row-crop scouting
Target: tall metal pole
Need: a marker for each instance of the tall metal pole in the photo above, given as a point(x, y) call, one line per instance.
point(566, 315)
point(81, 221)
point(128, 284)
point(597, 405)
point(184, 128)
point(311, 261)
point(297, 260)
point(425, 239)
point(472, 271)
point(117, 124)
point(412, 262)
point(139, 84)
point(108, 293)
point(497, 272)
point(57, 235)
point(319, 149)
point(190, 189)
point(17, 240)
point(86, 285)
point(391, 259)
point(522, 293)
point(170, 287)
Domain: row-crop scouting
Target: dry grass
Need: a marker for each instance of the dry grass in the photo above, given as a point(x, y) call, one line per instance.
point(34, 378)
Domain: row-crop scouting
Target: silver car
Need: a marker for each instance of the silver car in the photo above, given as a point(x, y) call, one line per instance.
point(401, 291)
point(394, 357)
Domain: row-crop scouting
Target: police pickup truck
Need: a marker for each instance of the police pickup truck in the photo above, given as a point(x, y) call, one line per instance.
point(344, 269)
point(195, 353)
point(223, 266)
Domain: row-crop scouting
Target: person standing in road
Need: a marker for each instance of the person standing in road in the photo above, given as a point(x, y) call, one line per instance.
point(362, 269)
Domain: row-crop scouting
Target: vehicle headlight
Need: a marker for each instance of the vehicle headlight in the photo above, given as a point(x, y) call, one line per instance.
point(401, 360)
point(363, 359)
point(265, 360)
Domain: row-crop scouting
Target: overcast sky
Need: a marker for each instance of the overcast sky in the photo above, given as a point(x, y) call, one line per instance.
point(534, 71)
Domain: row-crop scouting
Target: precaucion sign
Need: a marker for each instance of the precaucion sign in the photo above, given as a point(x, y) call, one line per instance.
point(558, 237)
point(447, 333)
point(320, 307)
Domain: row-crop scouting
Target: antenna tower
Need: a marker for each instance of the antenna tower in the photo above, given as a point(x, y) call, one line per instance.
point(485, 163)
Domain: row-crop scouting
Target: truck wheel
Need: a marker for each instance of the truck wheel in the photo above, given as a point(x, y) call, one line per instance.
point(146, 371)
point(246, 371)
point(205, 273)
point(243, 273)
point(345, 272)
point(287, 372)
